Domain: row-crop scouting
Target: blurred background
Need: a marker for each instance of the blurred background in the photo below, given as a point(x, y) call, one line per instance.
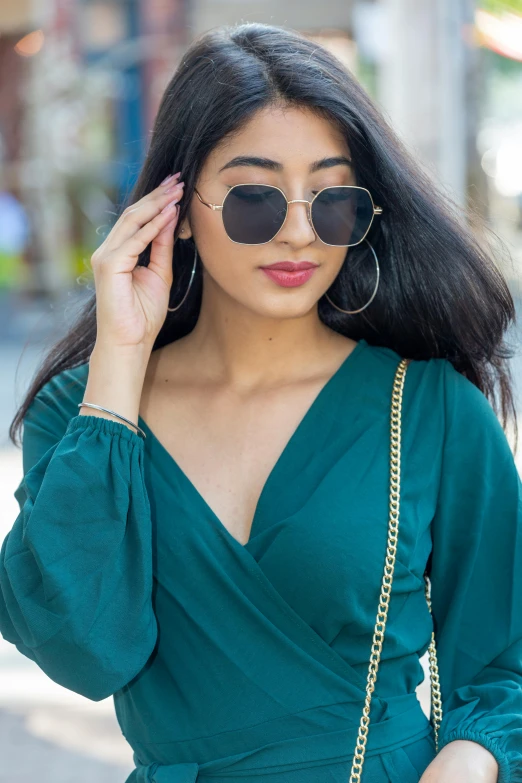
point(80, 83)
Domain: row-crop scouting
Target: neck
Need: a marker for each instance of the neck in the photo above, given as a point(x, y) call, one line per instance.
point(243, 348)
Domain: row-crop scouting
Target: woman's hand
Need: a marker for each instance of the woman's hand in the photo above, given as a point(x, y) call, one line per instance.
point(132, 301)
point(462, 761)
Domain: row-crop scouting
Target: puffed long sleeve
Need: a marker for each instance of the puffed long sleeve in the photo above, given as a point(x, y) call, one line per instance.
point(76, 567)
point(476, 579)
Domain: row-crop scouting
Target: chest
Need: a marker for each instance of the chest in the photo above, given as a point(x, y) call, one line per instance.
point(227, 447)
point(319, 535)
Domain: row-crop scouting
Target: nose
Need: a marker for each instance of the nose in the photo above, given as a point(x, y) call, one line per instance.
point(297, 228)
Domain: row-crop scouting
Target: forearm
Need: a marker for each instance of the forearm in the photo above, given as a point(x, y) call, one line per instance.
point(115, 381)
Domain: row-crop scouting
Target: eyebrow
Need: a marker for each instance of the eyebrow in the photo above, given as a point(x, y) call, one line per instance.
point(274, 165)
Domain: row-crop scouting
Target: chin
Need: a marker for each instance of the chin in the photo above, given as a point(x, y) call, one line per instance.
point(279, 307)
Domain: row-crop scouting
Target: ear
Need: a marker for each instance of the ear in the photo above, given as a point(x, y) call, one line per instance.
point(184, 230)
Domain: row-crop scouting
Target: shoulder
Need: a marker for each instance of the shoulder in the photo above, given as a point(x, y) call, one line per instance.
point(468, 422)
point(424, 382)
point(436, 380)
point(58, 398)
point(47, 417)
point(474, 433)
point(439, 399)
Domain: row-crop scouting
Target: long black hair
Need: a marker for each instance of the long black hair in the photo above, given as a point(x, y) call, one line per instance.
point(441, 294)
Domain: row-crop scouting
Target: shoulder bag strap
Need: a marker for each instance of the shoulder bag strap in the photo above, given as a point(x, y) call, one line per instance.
point(384, 600)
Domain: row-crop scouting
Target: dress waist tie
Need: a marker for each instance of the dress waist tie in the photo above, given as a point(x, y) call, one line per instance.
point(293, 753)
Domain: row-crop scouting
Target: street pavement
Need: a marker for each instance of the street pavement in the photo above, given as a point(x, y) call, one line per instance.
point(47, 733)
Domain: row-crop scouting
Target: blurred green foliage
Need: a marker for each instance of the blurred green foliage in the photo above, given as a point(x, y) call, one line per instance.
point(12, 270)
point(498, 6)
point(494, 60)
point(81, 264)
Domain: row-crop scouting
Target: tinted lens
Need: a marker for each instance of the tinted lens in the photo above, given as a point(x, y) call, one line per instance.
point(253, 214)
point(342, 215)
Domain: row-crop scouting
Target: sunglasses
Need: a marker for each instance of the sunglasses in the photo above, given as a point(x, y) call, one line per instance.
point(254, 214)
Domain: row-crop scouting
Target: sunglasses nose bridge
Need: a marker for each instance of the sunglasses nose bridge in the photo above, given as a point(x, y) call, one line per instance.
point(299, 201)
point(308, 208)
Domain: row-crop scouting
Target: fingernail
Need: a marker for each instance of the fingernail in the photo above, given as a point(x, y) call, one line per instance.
point(170, 205)
point(173, 187)
point(170, 176)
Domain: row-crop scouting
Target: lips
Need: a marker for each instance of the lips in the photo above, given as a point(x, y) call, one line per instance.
point(291, 279)
point(291, 266)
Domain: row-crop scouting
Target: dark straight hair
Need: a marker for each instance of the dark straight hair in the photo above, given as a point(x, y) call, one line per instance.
point(441, 293)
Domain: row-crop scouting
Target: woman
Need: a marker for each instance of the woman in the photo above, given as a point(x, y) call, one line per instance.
point(204, 508)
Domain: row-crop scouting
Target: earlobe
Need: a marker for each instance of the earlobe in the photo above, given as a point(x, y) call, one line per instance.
point(185, 231)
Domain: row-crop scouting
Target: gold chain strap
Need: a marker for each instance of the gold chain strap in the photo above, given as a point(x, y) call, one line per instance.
point(384, 600)
point(436, 699)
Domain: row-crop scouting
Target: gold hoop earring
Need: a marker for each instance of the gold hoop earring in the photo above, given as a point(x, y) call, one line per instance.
point(172, 309)
point(351, 312)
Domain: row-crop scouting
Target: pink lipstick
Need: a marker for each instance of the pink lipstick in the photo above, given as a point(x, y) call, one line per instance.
point(289, 273)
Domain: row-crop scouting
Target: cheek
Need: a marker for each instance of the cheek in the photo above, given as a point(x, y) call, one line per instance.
point(234, 268)
point(230, 265)
point(227, 263)
point(335, 259)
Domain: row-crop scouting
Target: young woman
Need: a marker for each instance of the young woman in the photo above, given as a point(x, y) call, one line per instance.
point(205, 504)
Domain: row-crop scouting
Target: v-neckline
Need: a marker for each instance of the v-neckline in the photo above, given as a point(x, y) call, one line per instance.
point(154, 441)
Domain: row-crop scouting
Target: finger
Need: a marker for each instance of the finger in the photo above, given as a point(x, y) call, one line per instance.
point(162, 249)
point(142, 212)
point(129, 251)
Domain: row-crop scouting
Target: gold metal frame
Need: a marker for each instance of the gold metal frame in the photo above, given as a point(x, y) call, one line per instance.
point(376, 210)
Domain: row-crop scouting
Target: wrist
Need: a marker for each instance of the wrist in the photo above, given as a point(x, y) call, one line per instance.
point(115, 380)
point(135, 357)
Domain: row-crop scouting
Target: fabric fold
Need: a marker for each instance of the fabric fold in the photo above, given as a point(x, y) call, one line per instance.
point(289, 754)
point(76, 567)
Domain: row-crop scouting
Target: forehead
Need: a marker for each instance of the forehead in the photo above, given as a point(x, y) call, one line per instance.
point(295, 136)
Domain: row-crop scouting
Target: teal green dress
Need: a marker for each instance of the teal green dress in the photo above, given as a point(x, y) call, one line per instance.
point(248, 662)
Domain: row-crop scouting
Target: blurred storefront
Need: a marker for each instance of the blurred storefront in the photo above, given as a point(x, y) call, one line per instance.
point(14, 18)
point(84, 81)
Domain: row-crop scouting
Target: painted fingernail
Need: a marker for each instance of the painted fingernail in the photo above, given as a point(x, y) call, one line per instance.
point(170, 205)
point(173, 187)
point(170, 178)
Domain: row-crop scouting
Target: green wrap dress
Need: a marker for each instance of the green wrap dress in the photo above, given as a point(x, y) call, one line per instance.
point(233, 662)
